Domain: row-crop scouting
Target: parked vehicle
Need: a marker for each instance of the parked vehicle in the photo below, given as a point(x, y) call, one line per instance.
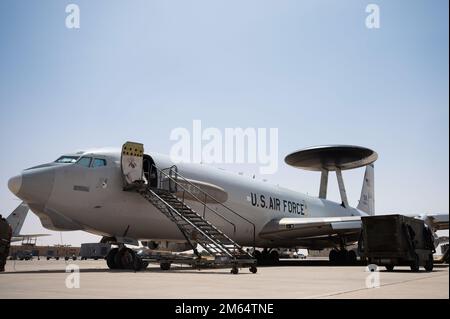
point(94, 250)
point(62, 251)
point(291, 253)
point(23, 255)
point(396, 240)
point(52, 253)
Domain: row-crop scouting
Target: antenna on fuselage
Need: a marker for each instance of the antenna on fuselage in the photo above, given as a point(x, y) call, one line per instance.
point(332, 158)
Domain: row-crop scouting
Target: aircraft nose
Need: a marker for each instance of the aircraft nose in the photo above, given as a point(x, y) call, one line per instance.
point(33, 185)
point(14, 184)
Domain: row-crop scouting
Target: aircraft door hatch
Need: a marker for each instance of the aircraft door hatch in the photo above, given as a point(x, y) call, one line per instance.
point(150, 171)
point(169, 179)
point(132, 163)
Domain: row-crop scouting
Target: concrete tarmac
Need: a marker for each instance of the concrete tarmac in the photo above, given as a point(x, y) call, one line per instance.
point(290, 279)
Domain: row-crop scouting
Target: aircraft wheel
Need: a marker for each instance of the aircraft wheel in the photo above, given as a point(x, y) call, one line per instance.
point(351, 257)
point(164, 266)
point(429, 263)
point(333, 256)
point(110, 258)
point(138, 264)
point(124, 258)
point(258, 255)
point(234, 270)
point(415, 264)
point(274, 256)
point(343, 256)
point(253, 269)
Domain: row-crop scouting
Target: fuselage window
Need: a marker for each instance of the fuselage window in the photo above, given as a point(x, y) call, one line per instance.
point(98, 162)
point(85, 161)
point(67, 159)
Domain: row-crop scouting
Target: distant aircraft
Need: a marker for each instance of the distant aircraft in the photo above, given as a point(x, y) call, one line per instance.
point(16, 220)
point(126, 196)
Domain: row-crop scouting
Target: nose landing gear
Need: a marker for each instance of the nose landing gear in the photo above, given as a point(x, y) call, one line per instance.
point(124, 258)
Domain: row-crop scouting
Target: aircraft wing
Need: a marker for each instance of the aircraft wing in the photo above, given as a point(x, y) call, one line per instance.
point(437, 221)
point(316, 227)
point(322, 227)
point(27, 236)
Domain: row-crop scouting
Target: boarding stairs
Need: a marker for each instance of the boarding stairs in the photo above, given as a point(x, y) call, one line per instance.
point(168, 196)
point(195, 228)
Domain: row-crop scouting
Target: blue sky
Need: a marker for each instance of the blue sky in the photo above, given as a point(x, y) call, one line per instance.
point(137, 69)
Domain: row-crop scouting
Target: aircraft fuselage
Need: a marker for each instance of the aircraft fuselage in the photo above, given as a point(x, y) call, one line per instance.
point(74, 197)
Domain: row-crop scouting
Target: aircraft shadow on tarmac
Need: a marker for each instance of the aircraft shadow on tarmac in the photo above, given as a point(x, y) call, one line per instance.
point(307, 263)
point(225, 271)
point(184, 270)
point(322, 263)
point(437, 268)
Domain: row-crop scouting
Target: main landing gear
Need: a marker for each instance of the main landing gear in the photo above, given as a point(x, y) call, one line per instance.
point(124, 258)
point(342, 256)
point(266, 256)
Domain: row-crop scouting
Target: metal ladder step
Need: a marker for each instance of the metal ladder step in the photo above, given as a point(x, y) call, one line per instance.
point(187, 220)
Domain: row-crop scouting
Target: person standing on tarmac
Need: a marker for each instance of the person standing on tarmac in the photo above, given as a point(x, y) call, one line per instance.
point(5, 241)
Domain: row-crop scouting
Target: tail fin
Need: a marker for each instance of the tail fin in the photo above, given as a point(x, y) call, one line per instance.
point(367, 200)
point(17, 218)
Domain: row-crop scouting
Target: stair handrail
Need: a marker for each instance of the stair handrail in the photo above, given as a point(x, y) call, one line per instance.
point(212, 197)
point(192, 224)
point(198, 199)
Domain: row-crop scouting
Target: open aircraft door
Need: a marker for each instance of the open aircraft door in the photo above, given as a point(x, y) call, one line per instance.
point(132, 163)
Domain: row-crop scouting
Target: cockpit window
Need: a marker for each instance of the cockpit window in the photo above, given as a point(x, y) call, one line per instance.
point(98, 162)
point(67, 159)
point(85, 161)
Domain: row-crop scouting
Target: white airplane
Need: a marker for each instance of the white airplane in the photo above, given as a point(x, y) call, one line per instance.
point(16, 220)
point(128, 196)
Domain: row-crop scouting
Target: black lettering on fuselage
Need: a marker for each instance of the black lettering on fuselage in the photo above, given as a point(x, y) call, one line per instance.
point(253, 199)
point(273, 203)
point(263, 201)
